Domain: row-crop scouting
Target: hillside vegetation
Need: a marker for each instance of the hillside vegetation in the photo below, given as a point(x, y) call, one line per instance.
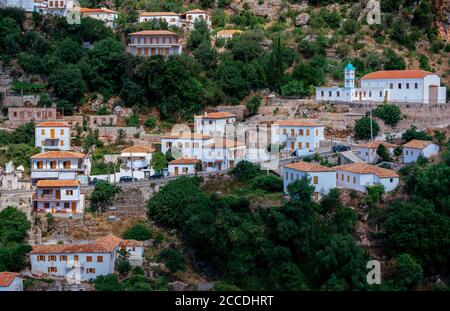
point(273, 53)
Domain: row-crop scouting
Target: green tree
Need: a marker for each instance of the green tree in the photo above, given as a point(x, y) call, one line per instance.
point(389, 113)
point(413, 133)
point(108, 283)
point(253, 105)
point(362, 128)
point(69, 51)
point(123, 265)
point(173, 259)
point(150, 122)
point(245, 170)
point(268, 183)
point(158, 162)
point(68, 83)
point(103, 195)
point(14, 225)
point(383, 153)
point(407, 271)
point(139, 232)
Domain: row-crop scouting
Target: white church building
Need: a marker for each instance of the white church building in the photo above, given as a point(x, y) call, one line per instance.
point(395, 86)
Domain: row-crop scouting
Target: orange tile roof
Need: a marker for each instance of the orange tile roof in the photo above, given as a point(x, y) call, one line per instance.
point(417, 144)
point(131, 243)
point(97, 10)
point(6, 278)
point(228, 32)
point(197, 11)
point(309, 167)
point(306, 123)
point(52, 124)
point(138, 149)
point(59, 155)
point(105, 244)
point(186, 136)
point(224, 143)
point(43, 183)
point(184, 161)
point(158, 14)
point(217, 115)
point(364, 168)
point(152, 32)
point(375, 144)
point(397, 74)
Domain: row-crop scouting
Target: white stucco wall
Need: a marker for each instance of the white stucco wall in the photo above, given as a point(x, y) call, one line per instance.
point(43, 138)
point(316, 134)
point(15, 286)
point(326, 180)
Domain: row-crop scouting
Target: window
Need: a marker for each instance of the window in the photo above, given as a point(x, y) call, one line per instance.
point(307, 145)
point(337, 93)
point(399, 86)
point(391, 180)
point(370, 94)
point(69, 192)
point(330, 93)
point(63, 258)
point(342, 177)
point(348, 178)
point(300, 132)
point(89, 258)
point(299, 145)
point(52, 258)
point(321, 93)
point(47, 191)
point(61, 142)
point(99, 258)
point(41, 258)
point(381, 93)
point(307, 132)
point(391, 85)
point(354, 180)
point(416, 85)
point(90, 270)
point(287, 176)
point(316, 180)
point(407, 86)
point(292, 176)
point(61, 132)
point(52, 270)
point(42, 132)
point(284, 131)
point(317, 132)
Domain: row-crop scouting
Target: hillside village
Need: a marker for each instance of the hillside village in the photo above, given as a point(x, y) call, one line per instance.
point(195, 146)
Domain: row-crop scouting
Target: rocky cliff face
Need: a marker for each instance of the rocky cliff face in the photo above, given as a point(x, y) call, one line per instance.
point(443, 18)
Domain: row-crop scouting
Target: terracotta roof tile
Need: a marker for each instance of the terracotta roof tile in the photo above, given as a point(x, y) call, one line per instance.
point(59, 155)
point(6, 278)
point(184, 161)
point(397, 74)
point(97, 10)
point(309, 167)
point(52, 124)
point(138, 149)
point(196, 11)
point(43, 183)
point(131, 243)
point(375, 144)
point(306, 123)
point(218, 115)
point(364, 168)
point(105, 244)
point(417, 144)
point(152, 32)
point(158, 14)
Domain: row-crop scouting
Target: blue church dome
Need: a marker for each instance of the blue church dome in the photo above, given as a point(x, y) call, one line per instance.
point(350, 67)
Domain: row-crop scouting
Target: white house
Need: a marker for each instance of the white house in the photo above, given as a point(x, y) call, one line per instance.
point(368, 152)
point(190, 17)
point(397, 86)
point(10, 282)
point(321, 177)
point(63, 165)
point(108, 16)
point(171, 18)
point(220, 154)
point(82, 262)
point(135, 249)
point(182, 166)
point(58, 197)
point(154, 42)
point(415, 148)
point(136, 158)
point(358, 176)
point(52, 136)
point(302, 135)
point(26, 5)
point(214, 123)
point(189, 145)
point(60, 7)
point(228, 33)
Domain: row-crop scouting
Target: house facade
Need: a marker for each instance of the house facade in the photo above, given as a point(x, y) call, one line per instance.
point(191, 17)
point(10, 282)
point(82, 262)
point(61, 165)
point(52, 136)
point(154, 42)
point(58, 197)
point(182, 166)
point(107, 16)
point(136, 158)
point(415, 148)
point(358, 176)
point(368, 152)
point(221, 154)
point(321, 177)
point(27, 114)
point(228, 33)
point(214, 124)
point(171, 18)
point(189, 145)
point(102, 120)
point(395, 86)
point(301, 135)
